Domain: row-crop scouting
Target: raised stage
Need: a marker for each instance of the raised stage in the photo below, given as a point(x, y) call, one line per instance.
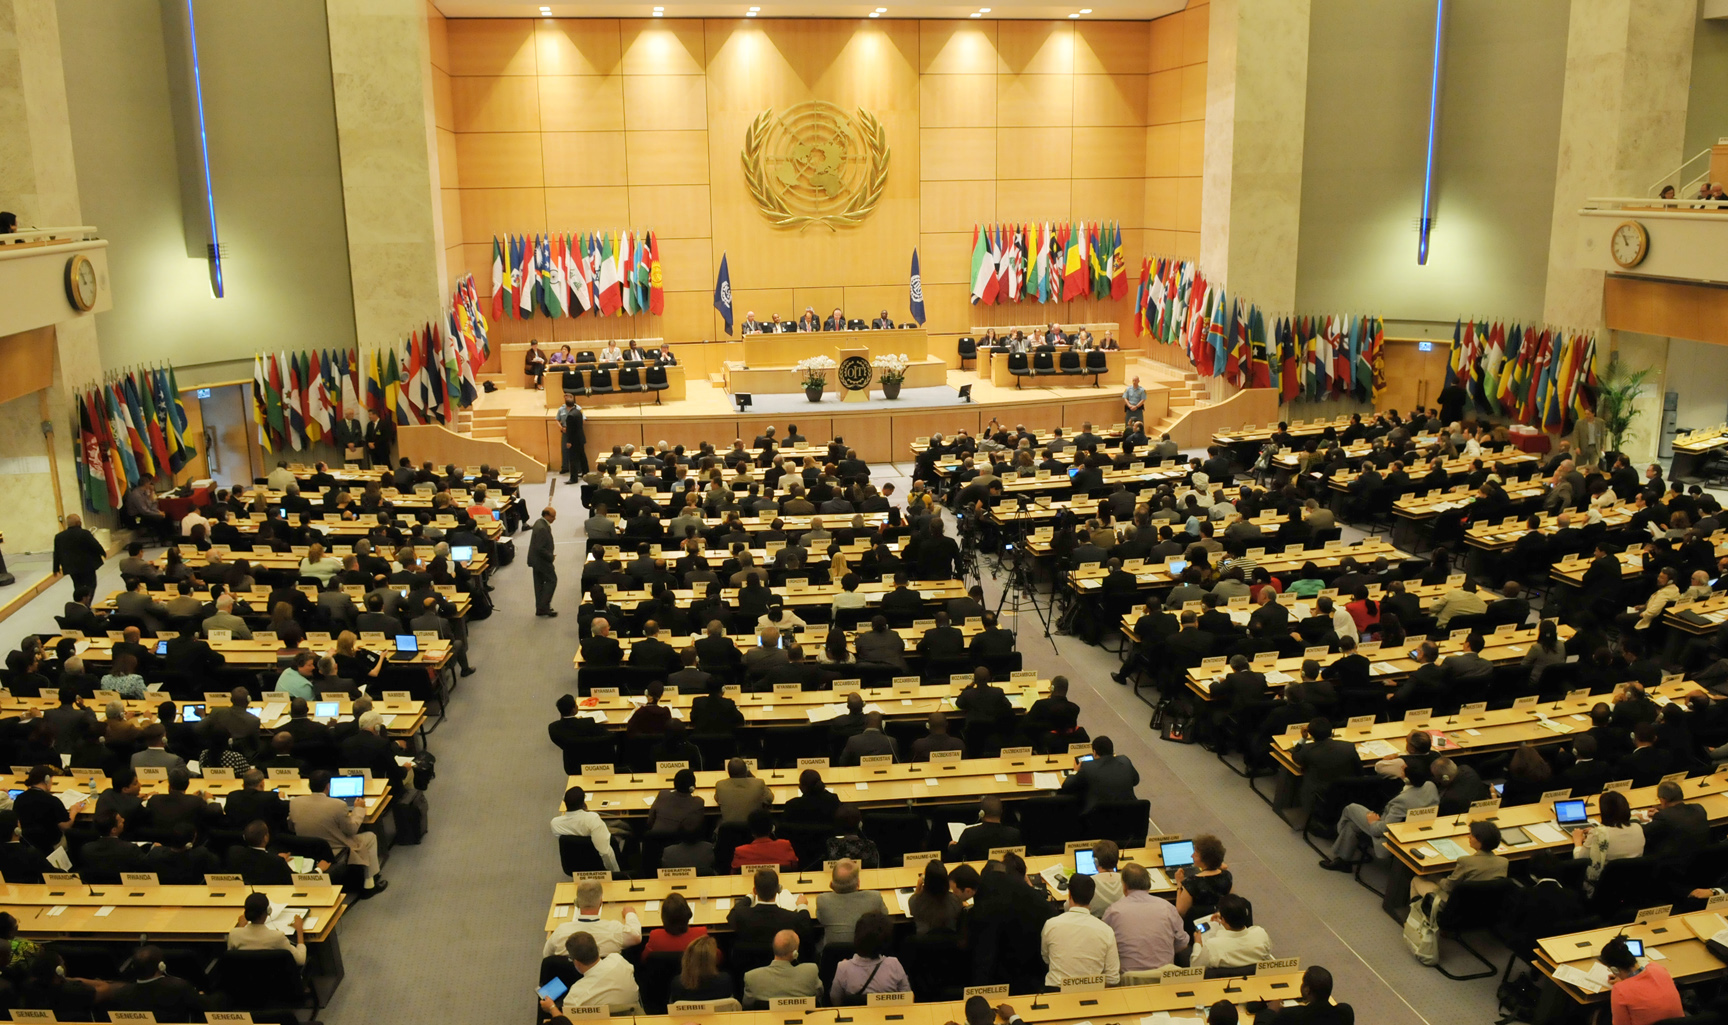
point(881, 430)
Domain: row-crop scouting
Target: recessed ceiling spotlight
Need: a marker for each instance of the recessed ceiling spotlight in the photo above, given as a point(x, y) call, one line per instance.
point(974, 15)
point(1073, 16)
point(659, 14)
point(1085, 10)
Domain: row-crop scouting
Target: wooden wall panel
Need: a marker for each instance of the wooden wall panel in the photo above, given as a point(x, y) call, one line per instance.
point(666, 102)
point(587, 46)
point(491, 46)
point(571, 124)
point(582, 103)
point(577, 159)
point(1675, 309)
point(500, 160)
point(957, 154)
point(667, 158)
point(495, 104)
point(443, 110)
point(871, 437)
point(449, 169)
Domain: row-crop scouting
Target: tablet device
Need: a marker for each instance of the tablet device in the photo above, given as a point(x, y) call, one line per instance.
point(1177, 854)
point(191, 713)
point(553, 990)
point(14, 794)
point(327, 709)
point(161, 647)
point(347, 787)
point(1085, 862)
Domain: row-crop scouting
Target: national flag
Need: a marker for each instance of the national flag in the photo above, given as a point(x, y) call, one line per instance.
point(393, 387)
point(915, 300)
point(1141, 291)
point(723, 293)
point(1004, 264)
point(981, 270)
point(469, 389)
point(416, 388)
point(150, 422)
point(610, 299)
point(92, 469)
point(351, 405)
point(260, 404)
point(1377, 358)
point(1259, 374)
point(500, 282)
point(558, 293)
point(374, 384)
point(1014, 273)
point(1073, 264)
point(626, 274)
point(293, 420)
point(529, 277)
point(644, 274)
point(1241, 356)
point(452, 373)
point(1119, 267)
point(656, 278)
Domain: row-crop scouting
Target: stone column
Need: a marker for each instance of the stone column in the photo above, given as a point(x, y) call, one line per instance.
point(39, 183)
point(1256, 109)
point(381, 69)
point(1622, 126)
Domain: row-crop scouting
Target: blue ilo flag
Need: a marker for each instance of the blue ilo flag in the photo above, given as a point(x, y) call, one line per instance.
point(917, 292)
point(723, 293)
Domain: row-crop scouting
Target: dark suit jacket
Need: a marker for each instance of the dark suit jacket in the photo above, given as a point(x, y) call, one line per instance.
point(942, 642)
point(601, 651)
point(716, 651)
point(1586, 778)
point(259, 868)
point(1305, 1014)
point(976, 841)
point(109, 856)
point(1676, 833)
point(1104, 781)
point(755, 923)
point(868, 744)
point(1324, 763)
point(244, 806)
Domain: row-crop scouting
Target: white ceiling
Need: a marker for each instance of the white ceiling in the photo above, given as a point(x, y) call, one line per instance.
point(1102, 10)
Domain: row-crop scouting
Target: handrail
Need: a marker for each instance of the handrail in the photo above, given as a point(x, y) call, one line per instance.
point(1646, 203)
point(79, 233)
point(1676, 172)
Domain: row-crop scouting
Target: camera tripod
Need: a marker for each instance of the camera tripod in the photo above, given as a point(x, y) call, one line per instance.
point(1017, 566)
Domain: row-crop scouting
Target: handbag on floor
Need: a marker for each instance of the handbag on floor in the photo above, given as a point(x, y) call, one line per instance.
point(1421, 935)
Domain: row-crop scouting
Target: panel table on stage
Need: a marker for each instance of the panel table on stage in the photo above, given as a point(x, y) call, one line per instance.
point(785, 350)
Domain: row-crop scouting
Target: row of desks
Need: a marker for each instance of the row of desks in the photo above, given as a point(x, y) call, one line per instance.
point(289, 561)
point(266, 653)
point(258, 597)
point(377, 797)
point(945, 781)
point(811, 638)
point(789, 705)
point(403, 716)
point(1158, 576)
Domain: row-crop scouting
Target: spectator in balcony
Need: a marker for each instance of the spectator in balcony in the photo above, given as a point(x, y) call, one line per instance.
point(1667, 192)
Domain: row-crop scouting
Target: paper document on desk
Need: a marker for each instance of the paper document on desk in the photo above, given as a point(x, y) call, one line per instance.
point(1549, 724)
point(1160, 881)
point(955, 829)
point(1546, 832)
point(1240, 616)
point(282, 918)
point(1279, 678)
point(1707, 927)
point(1382, 669)
point(786, 899)
point(904, 898)
point(1047, 780)
point(1377, 748)
point(72, 798)
point(1593, 981)
point(1448, 849)
point(1164, 1018)
point(274, 709)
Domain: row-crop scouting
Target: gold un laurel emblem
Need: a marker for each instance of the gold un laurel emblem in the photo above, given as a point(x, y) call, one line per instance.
point(812, 163)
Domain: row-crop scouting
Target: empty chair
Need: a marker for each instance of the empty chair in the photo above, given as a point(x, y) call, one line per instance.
point(1069, 363)
point(1017, 366)
point(630, 379)
point(1097, 363)
point(585, 356)
point(967, 349)
point(1044, 361)
point(600, 381)
point(656, 382)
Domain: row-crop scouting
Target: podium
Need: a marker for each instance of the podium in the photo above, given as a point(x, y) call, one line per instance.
point(841, 355)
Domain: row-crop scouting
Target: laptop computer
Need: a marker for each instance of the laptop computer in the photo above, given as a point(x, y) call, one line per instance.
point(407, 646)
point(348, 788)
point(1177, 854)
point(1572, 814)
point(191, 713)
point(1633, 947)
point(327, 709)
point(461, 553)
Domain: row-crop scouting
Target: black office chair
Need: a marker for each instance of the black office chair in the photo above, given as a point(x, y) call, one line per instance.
point(577, 854)
point(1471, 906)
point(258, 981)
point(967, 349)
point(590, 751)
point(1122, 821)
point(1017, 365)
point(1069, 363)
point(1097, 364)
point(600, 381)
point(585, 356)
point(856, 324)
point(896, 834)
point(1049, 822)
point(1044, 362)
point(630, 379)
point(656, 382)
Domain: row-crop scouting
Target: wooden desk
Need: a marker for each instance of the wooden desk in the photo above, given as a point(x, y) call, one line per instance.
point(402, 718)
point(1256, 435)
point(259, 597)
point(268, 654)
point(1500, 537)
point(901, 703)
point(1679, 938)
point(1429, 506)
point(378, 795)
point(785, 350)
point(1455, 468)
point(290, 560)
point(946, 782)
point(352, 474)
point(1713, 608)
point(1088, 580)
point(1108, 435)
point(198, 914)
point(811, 638)
point(1122, 1004)
point(805, 597)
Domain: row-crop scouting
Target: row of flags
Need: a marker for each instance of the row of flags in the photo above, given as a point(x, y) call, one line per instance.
point(605, 273)
point(1307, 357)
point(1541, 376)
point(130, 429)
point(1048, 262)
point(300, 397)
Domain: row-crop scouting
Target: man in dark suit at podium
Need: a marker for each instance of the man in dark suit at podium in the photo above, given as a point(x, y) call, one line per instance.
point(749, 326)
point(882, 323)
point(809, 321)
point(836, 321)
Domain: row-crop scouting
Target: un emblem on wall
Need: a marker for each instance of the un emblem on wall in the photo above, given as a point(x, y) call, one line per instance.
point(856, 373)
point(812, 163)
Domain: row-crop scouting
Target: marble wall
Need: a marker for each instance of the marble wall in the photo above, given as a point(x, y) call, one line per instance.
point(380, 67)
point(41, 189)
point(1251, 184)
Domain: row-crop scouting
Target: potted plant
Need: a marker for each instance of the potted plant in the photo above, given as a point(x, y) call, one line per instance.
point(891, 371)
point(814, 372)
point(1617, 401)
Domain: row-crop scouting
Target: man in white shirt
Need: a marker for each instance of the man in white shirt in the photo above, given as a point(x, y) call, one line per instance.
point(254, 934)
point(1229, 941)
point(607, 981)
point(610, 935)
point(193, 518)
point(577, 820)
point(1149, 930)
point(1076, 945)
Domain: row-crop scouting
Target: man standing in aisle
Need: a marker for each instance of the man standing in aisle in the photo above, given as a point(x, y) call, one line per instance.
point(78, 554)
point(380, 435)
point(542, 553)
point(575, 439)
point(1133, 402)
point(1587, 439)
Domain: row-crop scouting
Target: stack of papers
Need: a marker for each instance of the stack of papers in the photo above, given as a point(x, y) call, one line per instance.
point(1160, 881)
point(1448, 849)
point(1377, 748)
point(904, 898)
point(955, 829)
point(1164, 1018)
point(596, 716)
point(786, 899)
point(282, 918)
point(72, 798)
point(1047, 780)
point(1593, 981)
point(1279, 678)
point(1547, 832)
point(1550, 724)
point(1382, 669)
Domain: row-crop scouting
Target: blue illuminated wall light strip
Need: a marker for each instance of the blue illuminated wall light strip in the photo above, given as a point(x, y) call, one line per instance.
point(204, 152)
point(1427, 225)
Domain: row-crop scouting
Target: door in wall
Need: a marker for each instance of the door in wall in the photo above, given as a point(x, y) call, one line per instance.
point(230, 436)
point(1413, 377)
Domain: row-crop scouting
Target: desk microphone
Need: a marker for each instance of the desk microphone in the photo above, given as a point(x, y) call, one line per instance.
point(1036, 1006)
point(1231, 989)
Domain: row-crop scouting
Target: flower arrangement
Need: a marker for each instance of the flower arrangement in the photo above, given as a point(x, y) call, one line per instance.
point(815, 370)
point(890, 368)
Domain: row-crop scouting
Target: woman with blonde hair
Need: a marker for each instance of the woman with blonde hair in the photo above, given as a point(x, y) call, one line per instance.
point(699, 974)
point(317, 566)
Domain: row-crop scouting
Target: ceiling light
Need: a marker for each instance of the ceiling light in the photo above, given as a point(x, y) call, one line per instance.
point(974, 16)
point(881, 10)
point(1085, 10)
point(1073, 16)
point(659, 14)
point(873, 14)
